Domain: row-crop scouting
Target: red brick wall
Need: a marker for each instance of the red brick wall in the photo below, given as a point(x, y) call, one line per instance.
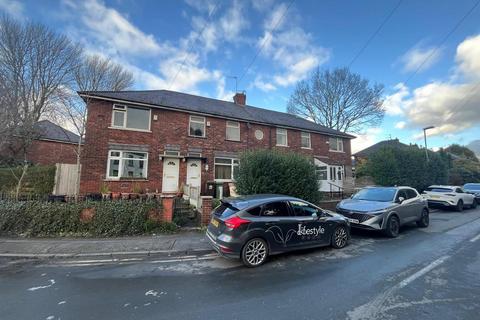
point(51, 152)
point(171, 127)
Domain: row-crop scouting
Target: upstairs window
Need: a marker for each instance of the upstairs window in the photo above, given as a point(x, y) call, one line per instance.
point(233, 131)
point(127, 164)
point(336, 144)
point(130, 117)
point(306, 142)
point(282, 137)
point(197, 126)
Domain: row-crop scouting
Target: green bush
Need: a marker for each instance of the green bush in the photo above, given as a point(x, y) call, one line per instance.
point(405, 166)
point(269, 171)
point(112, 218)
point(39, 180)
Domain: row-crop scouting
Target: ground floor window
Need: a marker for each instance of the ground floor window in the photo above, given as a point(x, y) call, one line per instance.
point(127, 164)
point(322, 173)
point(225, 169)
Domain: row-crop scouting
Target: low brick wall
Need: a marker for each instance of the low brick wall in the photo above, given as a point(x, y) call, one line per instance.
point(206, 211)
point(329, 204)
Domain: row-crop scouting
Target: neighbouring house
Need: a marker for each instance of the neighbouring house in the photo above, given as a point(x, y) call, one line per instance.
point(53, 144)
point(160, 140)
point(367, 152)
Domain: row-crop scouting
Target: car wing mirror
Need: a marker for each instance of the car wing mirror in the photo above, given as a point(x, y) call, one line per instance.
point(401, 199)
point(315, 216)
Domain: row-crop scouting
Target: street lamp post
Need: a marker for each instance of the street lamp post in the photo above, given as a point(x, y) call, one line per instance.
point(425, 138)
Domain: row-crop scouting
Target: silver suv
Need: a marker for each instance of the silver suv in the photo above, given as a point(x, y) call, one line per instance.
point(385, 209)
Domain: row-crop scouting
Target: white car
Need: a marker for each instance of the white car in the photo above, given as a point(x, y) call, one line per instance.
point(449, 196)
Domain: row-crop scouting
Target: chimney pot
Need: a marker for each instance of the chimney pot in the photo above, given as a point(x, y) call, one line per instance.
point(240, 98)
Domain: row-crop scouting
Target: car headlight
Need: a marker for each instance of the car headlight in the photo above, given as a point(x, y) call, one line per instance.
point(377, 212)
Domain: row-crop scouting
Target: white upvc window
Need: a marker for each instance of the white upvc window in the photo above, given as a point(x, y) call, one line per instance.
point(322, 173)
point(336, 144)
point(282, 139)
point(197, 126)
point(225, 169)
point(127, 164)
point(133, 118)
point(306, 141)
point(233, 131)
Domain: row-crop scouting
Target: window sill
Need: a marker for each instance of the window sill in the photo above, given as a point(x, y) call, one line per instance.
point(128, 129)
point(126, 179)
point(199, 137)
point(233, 140)
point(281, 145)
point(336, 151)
point(306, 148)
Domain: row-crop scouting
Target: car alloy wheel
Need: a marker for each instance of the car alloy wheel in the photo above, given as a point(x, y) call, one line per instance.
point(340, 238)
point(393, 227)
point(459, 205)
point(424, 219)
point(254, 252)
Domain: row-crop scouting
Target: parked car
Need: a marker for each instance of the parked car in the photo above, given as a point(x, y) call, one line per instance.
point(253, 227)
point(449, 196)
point(385, 209)
point(473, 188)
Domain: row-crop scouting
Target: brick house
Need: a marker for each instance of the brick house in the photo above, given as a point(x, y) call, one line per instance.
point(162, 139)
point(53, 144)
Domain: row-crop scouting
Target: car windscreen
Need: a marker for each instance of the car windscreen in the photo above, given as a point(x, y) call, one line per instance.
point(472, 186)
point(439, 189)
point(225, 210)
point(376, 194)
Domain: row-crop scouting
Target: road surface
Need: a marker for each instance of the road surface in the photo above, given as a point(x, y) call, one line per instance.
point(429, 273)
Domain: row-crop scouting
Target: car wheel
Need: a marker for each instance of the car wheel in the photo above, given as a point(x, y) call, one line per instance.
point(424, 219)
point(254, 252)
point(459, 206)
point(340, 237)
point(393, 227)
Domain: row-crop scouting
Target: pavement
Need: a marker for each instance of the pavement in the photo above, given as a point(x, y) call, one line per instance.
point(431, 273)
point(182, 243)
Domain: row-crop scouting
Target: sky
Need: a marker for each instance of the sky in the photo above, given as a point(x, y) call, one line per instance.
point(425, 53)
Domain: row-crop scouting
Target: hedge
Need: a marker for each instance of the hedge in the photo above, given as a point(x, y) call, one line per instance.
point(270, 171)
point(39, 180)
point(111, 218)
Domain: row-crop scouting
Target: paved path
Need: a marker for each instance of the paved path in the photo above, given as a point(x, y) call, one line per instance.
point(179, 243)
point(429, 273)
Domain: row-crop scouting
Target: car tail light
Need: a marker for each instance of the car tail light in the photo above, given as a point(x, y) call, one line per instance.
point(235, 222)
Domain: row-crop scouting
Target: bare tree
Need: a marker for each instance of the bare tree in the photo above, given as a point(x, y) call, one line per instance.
point(338, 99)
point(34, 63)
point(93, 74)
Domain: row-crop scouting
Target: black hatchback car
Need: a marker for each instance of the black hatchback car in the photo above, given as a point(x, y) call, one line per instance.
point(253, 227)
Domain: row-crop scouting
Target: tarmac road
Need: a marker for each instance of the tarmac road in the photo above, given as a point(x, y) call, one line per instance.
point(429, 273)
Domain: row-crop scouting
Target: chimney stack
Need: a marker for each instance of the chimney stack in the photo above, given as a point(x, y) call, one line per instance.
point(240, 98)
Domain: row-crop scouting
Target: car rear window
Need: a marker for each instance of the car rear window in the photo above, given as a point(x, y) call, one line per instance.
point(439, 190)
point(225, 210)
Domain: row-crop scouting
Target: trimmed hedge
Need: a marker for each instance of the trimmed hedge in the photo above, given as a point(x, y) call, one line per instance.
point(39, 180)
point(270, 171)
point(112, 218)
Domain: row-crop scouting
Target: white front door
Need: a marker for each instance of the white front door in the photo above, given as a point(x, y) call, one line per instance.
point(194, 172)
point(170, 174)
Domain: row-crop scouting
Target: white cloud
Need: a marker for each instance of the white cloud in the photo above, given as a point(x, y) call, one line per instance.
point(400, 124)
point(395, 102)
point(12, 7)
point(290, 48)
point(420, 58)
point(370, 137)
point(113, 31)
point(468, 57)
point(263, 85)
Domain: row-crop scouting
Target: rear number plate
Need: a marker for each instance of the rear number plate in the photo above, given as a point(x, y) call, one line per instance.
point(214, 222)
point(353, 220)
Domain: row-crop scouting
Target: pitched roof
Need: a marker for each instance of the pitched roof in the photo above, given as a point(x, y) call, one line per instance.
point(393, 143)
point(48, 130)
point(191, 103)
